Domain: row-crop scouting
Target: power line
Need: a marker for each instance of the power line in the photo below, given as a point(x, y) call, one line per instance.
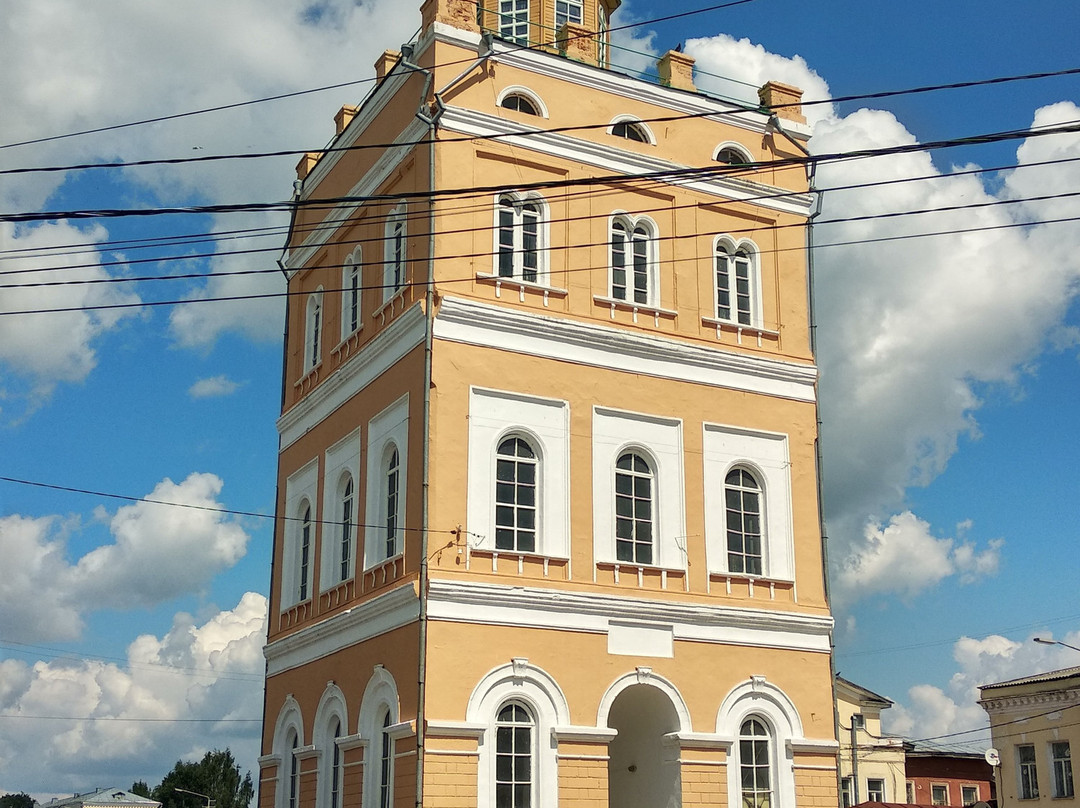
point(133, 720)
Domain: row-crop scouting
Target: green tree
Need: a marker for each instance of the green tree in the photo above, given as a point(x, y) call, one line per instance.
point(142, 789)
point(217, 776)
point(20, 800)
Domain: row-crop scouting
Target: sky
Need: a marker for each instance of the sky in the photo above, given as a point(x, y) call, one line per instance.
point(131, 633)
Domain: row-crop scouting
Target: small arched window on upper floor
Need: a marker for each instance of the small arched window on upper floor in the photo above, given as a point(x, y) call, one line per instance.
point(743, 509)
point(522, 99)
point(346, 525)
point(635, 509)
point(521, 237)
point(391, 503)
point(737, 282)
point(351, 284)
point(629, 128)
point(517, 476)
point(633, 275)
point(518, 103)
point(303, 546)
point(395, 259)
point(313, 322)
point(732, 154)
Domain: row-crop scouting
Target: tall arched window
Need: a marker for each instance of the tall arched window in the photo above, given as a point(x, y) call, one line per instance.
point(735, 285)
point(516, 467)
point(634, 509)
point(395, 258)
point(520, 237)
point(392, 499)
point(294, 772)
point(386, 763)
point(514, 757)
point(632, 262)
point(755, 764)
point(602, 40)
point(304, 548)
point(742, 505)
point(345, 514)
point(514, 21)
point(313, 331)
point(350, 294)
point(336, 766)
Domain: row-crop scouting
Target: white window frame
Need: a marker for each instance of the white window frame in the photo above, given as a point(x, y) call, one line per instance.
point(515, 248)
point(341, 459)
point(766, 455)
point(870, 790)
point(846, 794)
point(517, 486)
point(564, 13)
point(771, 760)
point(939, 785)
point(732, 146)
point(387, 431)
point(495, 415)
point(969, 787)
point(603, 38)
point(637, 123)
point(513, 20)
point(630, 225)
point(747, 252)
point(660, 440)
point(1061, 770)
point(638, 472)
point(332, 708)
point(1020, 767)
point(352, 284)
point(380, 701)
point(313, 330)
point(524, 92)
point(288, 741)
point(300, 487)
point(532, 751)
point(396, 249)
point(743, 489)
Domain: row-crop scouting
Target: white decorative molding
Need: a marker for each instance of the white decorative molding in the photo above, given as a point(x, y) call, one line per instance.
point(574, 734)
point(813, 746)
point(455, 729)
point(384, 350)
point(487, 325)
point(394, 609)
point(536, 607)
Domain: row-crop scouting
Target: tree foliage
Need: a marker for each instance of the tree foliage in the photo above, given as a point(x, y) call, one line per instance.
point(217, 776)
point(20, 800)
point(142, 789)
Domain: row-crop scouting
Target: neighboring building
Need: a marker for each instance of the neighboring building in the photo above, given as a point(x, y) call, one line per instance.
point(871, 763)
point(103, 798)
point(548, 527)
point(937, 776)
point(1034, 726)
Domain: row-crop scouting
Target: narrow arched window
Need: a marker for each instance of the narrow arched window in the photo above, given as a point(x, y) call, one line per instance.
point(392, 494)
point(635, 509)
point(313, 331)
point(628, 130)
point(294, 773)
point(742, 504)
point(350, 295)
point(336, 768)
point(348, 499)
point(516, 469)
point(755, 764)
point(631, 259)
point(514, 755)
point(305, 553)
point(603, 37)
point(735, 284)
point(394, 264)
point(519, 103)
point(386, 763)
point(514, 21)
point(520, 222)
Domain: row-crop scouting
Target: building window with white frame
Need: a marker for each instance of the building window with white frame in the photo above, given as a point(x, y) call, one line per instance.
point(519, 103)
point(568, 11)
point(909, 789)
point(514, 756)
point(391, 502)
point(386, 763)
point(1029, 777)
point(1061, 760)
point(294, 772)
point(875, 789)
point(635, 509)
point(755, 764)
point(736, 283)
point(632, 262)
point(969, 795)
point(742, 507)
point(395, 258)
point(516, 479)
point(514, 21)
point(939, 794)
point(350, 293)
point(304, 548)
point(346, 509)
point(336, 766)
point(630, 130)
point(603, 36)
point(313, 331)
point(520, 237)
point(846, 799)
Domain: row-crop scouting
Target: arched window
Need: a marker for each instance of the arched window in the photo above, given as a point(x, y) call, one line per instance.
point(350, 294)
point(514, 757)
point(395, 258)
point(386, 763)
point(602, 40)
point(732, 156)
point(736, 285)
point(516, 469)
point(520, 237)
point(629, 130)
point(294, 772)
point(345, 514)
point(519, 103)
point(514, 21)
point(313, 331)
point(304, 547)
point(336, 766)
point(755, 764)
point(632, 261)
point(568, 11)
point(742, 504)
point(635, 509)
point(391, 501)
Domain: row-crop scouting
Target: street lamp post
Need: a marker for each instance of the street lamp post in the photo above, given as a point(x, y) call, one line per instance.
point(1044, 641)
point(209, 802)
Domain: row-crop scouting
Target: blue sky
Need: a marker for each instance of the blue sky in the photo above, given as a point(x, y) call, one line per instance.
point(950, 365)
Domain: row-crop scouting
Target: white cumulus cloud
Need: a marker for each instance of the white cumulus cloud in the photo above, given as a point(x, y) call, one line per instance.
point(213, 387)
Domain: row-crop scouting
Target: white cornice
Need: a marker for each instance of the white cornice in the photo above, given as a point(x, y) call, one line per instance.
point(1023, 702)
point(386, 348)
point(474, 323)
point(536, 607)
point(620, 161)
point(394, 609)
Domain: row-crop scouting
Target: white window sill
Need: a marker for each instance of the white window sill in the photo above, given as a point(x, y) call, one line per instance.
point(614, 304)
point(348, 344)
point(522, 286)
point(618, 568)
point(738, 329)
point(751, 581)
point(521, 558)
point(308, 380)
point(388, 304)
